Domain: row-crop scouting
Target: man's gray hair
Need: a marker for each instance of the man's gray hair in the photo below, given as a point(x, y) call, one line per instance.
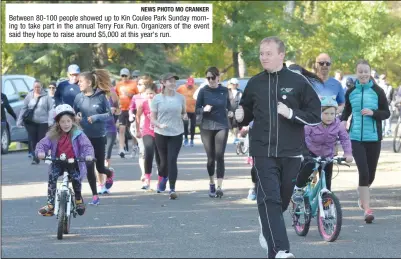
point(275, 39)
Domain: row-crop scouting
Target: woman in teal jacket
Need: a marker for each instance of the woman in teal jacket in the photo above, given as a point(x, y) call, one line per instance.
point(367, 103)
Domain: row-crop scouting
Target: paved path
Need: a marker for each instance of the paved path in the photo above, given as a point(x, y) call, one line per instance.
point(132, 223)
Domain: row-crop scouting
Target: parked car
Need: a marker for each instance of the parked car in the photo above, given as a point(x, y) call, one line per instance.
point(242, 82)
point(15, 87)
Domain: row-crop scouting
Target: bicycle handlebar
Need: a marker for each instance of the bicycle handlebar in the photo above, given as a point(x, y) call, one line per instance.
point(320, 160)
point(69, 160)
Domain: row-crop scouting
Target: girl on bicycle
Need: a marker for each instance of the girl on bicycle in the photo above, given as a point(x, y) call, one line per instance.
point(367, 103)
point(147, 134)
point(320, 141)
point(65, 137)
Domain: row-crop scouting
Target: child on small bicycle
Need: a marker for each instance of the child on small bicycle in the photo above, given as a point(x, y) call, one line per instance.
point(320, 141)
point(65, 137)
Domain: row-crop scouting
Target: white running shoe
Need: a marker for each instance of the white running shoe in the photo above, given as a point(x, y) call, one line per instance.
point(284, 254)
point(262, 239)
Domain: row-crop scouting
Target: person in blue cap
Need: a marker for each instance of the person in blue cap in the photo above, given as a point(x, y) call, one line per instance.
point(68, 89)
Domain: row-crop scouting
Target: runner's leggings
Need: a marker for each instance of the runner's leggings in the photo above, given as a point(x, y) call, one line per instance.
point(366, 155)
point(215, 142)
point(150, 152)
point(99, 145)
point(168, 148)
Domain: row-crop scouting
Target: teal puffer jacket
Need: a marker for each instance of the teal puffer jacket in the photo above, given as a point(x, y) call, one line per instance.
point(366, 96)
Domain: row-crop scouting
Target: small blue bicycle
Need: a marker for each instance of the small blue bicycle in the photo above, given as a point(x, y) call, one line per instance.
point(318, 203)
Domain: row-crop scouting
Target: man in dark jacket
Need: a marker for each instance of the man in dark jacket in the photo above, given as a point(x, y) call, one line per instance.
point(68, 89)
point(281, 103)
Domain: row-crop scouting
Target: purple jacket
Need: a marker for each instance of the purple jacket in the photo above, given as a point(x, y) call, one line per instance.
point(321, 140)
point(80, 143)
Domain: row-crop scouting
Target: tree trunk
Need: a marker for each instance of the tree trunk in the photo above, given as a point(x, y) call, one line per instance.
point(235, 63)
point(241, 66)
point(289, 8)
point(235, 54)
point(101, 56)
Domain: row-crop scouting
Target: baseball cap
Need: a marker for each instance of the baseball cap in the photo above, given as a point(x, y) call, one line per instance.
point(74, 69)
point(190, 81)
point(124, 72)
point(167, 76)
point(234, 81)
point(136, 73)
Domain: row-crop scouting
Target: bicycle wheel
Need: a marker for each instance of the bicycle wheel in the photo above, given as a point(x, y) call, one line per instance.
point(397, 139)
point(244, 149)
point(61, 214)
point(238, 149)
point(67, 222)
point(301, 227)
point(330, 226)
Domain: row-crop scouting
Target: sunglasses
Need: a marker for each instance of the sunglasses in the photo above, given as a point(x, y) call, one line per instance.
point(322, 63)
point(52, 88)
point(209, 78)
point(124, 76)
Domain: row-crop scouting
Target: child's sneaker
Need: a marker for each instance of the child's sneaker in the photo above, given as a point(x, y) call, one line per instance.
point(252, 194)
point(109, 180)
point(212, 190)
point(47, 210)
point(297, 196)
point(95, 200)
point(185, 144)
point(173, 195)
point(80, 207)
point(191, 143)
point(369, 217)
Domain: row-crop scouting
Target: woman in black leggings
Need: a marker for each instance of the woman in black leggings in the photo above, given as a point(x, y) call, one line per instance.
point(93, 111)
point(214, 105)
point(167, 113)
point(111, 136)
point(367, 103)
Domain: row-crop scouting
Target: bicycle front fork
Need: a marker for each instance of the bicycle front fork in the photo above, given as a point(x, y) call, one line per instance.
point(69, 201)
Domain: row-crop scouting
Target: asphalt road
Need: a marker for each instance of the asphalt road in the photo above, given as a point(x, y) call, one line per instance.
point(133, 223)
